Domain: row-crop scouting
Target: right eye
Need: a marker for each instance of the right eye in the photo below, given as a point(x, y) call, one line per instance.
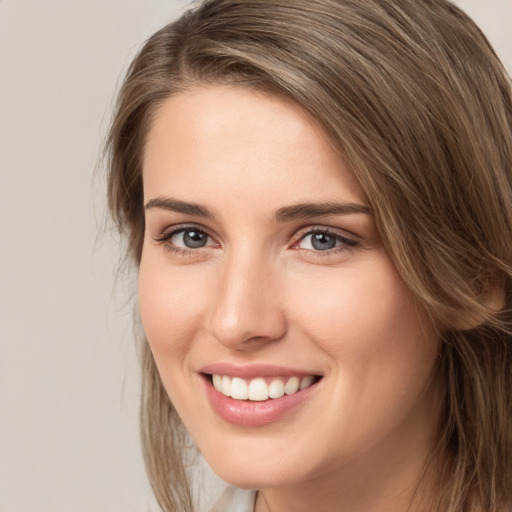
point(185, 239)
point(190, 239)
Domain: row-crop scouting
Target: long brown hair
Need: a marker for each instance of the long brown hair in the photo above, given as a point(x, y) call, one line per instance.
point(416, 100)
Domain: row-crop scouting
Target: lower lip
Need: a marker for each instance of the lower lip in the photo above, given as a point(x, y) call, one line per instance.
point(255, 414)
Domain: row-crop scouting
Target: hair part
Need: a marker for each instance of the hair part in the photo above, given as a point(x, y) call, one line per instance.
point(414, 97)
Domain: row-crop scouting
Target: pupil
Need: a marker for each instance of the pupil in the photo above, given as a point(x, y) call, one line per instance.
point(194, 239)
point(322, 242)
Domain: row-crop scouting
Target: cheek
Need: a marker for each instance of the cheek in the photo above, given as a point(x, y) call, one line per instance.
point(170, 304)
point(382, 353)
point(367, 320)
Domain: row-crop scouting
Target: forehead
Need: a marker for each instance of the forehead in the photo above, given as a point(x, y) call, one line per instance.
point(252, 141)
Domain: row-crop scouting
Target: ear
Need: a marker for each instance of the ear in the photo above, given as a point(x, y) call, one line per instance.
point(493, 301)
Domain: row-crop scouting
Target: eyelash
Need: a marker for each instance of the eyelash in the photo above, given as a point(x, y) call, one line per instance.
point(347, 243)
point(165, 237)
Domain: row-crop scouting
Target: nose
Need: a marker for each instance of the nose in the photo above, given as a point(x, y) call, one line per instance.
point(247, 311)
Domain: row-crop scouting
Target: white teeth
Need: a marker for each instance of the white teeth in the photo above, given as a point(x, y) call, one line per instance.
point(217, 382)
point(306, 381)
point(292, 386)
point(239, 389)
point(276, 389)
point(258, 389)
point(226, 385)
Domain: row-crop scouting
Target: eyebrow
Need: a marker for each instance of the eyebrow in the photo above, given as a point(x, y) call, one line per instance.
point(173, 205)
point(306, 210)
point(285, 214)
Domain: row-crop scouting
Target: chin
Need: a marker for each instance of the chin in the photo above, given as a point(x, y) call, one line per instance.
point(251, 477)
point(248, 468)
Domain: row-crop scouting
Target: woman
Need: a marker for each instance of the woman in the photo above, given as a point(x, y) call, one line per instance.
point(317, 195)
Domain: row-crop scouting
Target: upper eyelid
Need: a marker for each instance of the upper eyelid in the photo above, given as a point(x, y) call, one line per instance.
point(337, 232)
point(170, 231)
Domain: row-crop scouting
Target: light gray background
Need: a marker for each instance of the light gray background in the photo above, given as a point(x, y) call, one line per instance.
point(68, 372)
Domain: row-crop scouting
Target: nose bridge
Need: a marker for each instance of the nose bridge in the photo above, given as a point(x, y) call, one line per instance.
point(247, 306)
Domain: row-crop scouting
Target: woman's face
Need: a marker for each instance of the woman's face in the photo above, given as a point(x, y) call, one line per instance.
point(262, 272)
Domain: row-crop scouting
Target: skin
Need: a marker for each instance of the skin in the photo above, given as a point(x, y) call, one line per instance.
point(259, 291)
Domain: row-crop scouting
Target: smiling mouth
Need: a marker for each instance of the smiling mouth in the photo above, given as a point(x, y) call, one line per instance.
point(261, 388)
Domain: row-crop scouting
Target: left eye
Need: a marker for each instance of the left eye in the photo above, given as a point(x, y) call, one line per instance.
point(321, 241)
point(190, 239)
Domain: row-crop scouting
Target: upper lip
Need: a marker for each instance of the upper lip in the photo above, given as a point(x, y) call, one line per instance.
point(251, 371)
